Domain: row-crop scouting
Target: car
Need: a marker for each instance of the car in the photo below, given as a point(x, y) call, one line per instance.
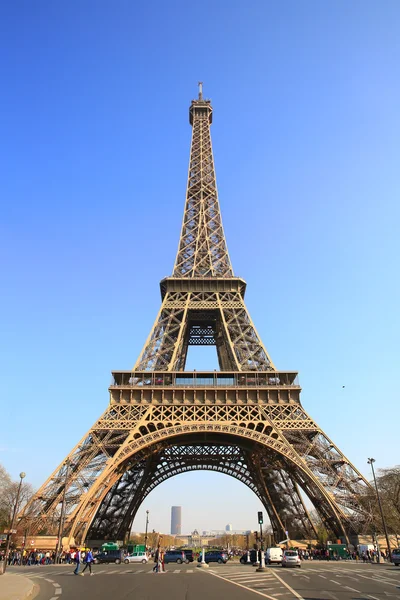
point(214, 556)
point(291, 558)
point(109, 556)
point(273, 555)
point(177, 556)
point(254, 556)
point(396, 557)
point(189, 555)
point(140, 557)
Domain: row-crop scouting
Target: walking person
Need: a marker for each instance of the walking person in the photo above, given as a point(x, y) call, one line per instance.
point(162, 554)
point(88, 562)
point(160, 562)
point(155, 568)
point(78, 561)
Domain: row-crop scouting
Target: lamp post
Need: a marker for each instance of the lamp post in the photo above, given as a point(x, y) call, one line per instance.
point(371, 462)
point(62, 515)
point(145, 535)
point(11, 530)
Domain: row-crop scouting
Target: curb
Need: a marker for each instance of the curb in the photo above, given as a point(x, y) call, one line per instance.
point(17, 587)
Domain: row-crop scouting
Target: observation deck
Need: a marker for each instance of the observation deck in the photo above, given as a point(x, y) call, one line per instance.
point(205, 387)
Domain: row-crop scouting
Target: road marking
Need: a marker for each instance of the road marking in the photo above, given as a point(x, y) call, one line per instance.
point(330, 594)
point(189, 571)
point(288, 586)
point(352, 589)
point(337, 582)
point(374, 597)
point(116, 571)
point(385, 582)
point(323, 576)
point(49, 580)
point(240, 585)
point(177, 571)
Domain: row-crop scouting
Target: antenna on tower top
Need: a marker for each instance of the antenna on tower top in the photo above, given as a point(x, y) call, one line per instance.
point(200, 90)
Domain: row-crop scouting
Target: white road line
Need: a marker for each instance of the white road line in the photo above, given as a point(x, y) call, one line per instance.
point(240, 585)
point(323, 576)
point(177, 571)
point(189, 571)
point(337, 582)
point(254, 576)
point(380, 581)
point(251, 580)
point(288, 586)
point(115, 571)
point(330, 594)
point(49, 580)
point(352, 589)
point(374, 597)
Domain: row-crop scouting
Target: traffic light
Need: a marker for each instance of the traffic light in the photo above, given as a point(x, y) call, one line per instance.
point(260, 518)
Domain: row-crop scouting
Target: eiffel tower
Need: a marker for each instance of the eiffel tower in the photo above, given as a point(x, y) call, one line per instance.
point(245, 420)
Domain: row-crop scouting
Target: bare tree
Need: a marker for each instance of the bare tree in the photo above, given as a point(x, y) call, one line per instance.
point(8, 497)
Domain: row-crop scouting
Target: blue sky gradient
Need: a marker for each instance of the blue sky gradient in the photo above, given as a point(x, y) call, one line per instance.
point(94, 153)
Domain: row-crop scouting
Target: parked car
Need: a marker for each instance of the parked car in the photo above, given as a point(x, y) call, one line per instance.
point(253, 557)
point(396, 557)
point(291, 558)
point(177, 556)
point(136, 557)
point(214, 556)
point(109, 556)
point(273, 555)
point(189, 555)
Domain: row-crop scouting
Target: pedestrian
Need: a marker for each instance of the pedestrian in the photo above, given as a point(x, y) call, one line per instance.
point(162, 562)
point(155, 568)
point(88, 562)
point(78, 561)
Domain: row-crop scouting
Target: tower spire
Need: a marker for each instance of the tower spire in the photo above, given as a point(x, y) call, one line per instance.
point(202, 250)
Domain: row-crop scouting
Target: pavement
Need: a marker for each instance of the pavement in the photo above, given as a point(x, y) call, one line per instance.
point(315, 580)
point(14, 586)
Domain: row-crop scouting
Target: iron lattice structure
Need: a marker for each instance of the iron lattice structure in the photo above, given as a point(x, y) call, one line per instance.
point(245, 420)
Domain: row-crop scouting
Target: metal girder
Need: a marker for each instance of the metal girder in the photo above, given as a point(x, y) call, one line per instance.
point(139, 431)
point(248, 422)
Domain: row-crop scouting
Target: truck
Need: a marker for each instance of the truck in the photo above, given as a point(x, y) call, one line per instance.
point(364, 547)
point(273, 555)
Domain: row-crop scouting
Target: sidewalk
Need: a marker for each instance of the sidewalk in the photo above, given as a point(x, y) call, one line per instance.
point(16, 587)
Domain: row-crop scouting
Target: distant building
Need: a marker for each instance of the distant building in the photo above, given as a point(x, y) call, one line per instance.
point(176, 520)
point(228, 527)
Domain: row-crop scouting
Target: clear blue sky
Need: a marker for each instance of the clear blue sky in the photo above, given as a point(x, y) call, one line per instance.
point(94, 153)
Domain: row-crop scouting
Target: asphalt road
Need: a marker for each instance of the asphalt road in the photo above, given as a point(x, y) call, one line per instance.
point(315, 580)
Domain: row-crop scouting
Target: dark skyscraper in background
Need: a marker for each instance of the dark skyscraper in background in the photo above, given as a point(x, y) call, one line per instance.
point(176, 520)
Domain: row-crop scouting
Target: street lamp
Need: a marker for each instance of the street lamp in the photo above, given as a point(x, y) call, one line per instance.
point(145, 535)
point(11, 530)
point(371, 462)
point(62, 515)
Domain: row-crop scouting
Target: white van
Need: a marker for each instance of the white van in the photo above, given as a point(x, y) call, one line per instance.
point(273, 555)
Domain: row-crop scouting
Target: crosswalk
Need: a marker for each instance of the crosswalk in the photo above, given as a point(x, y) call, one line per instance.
point(267, 584)
point(108, 572)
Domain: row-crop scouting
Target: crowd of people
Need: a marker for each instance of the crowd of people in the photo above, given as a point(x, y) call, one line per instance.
point(325, 554)
point(39, 557)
